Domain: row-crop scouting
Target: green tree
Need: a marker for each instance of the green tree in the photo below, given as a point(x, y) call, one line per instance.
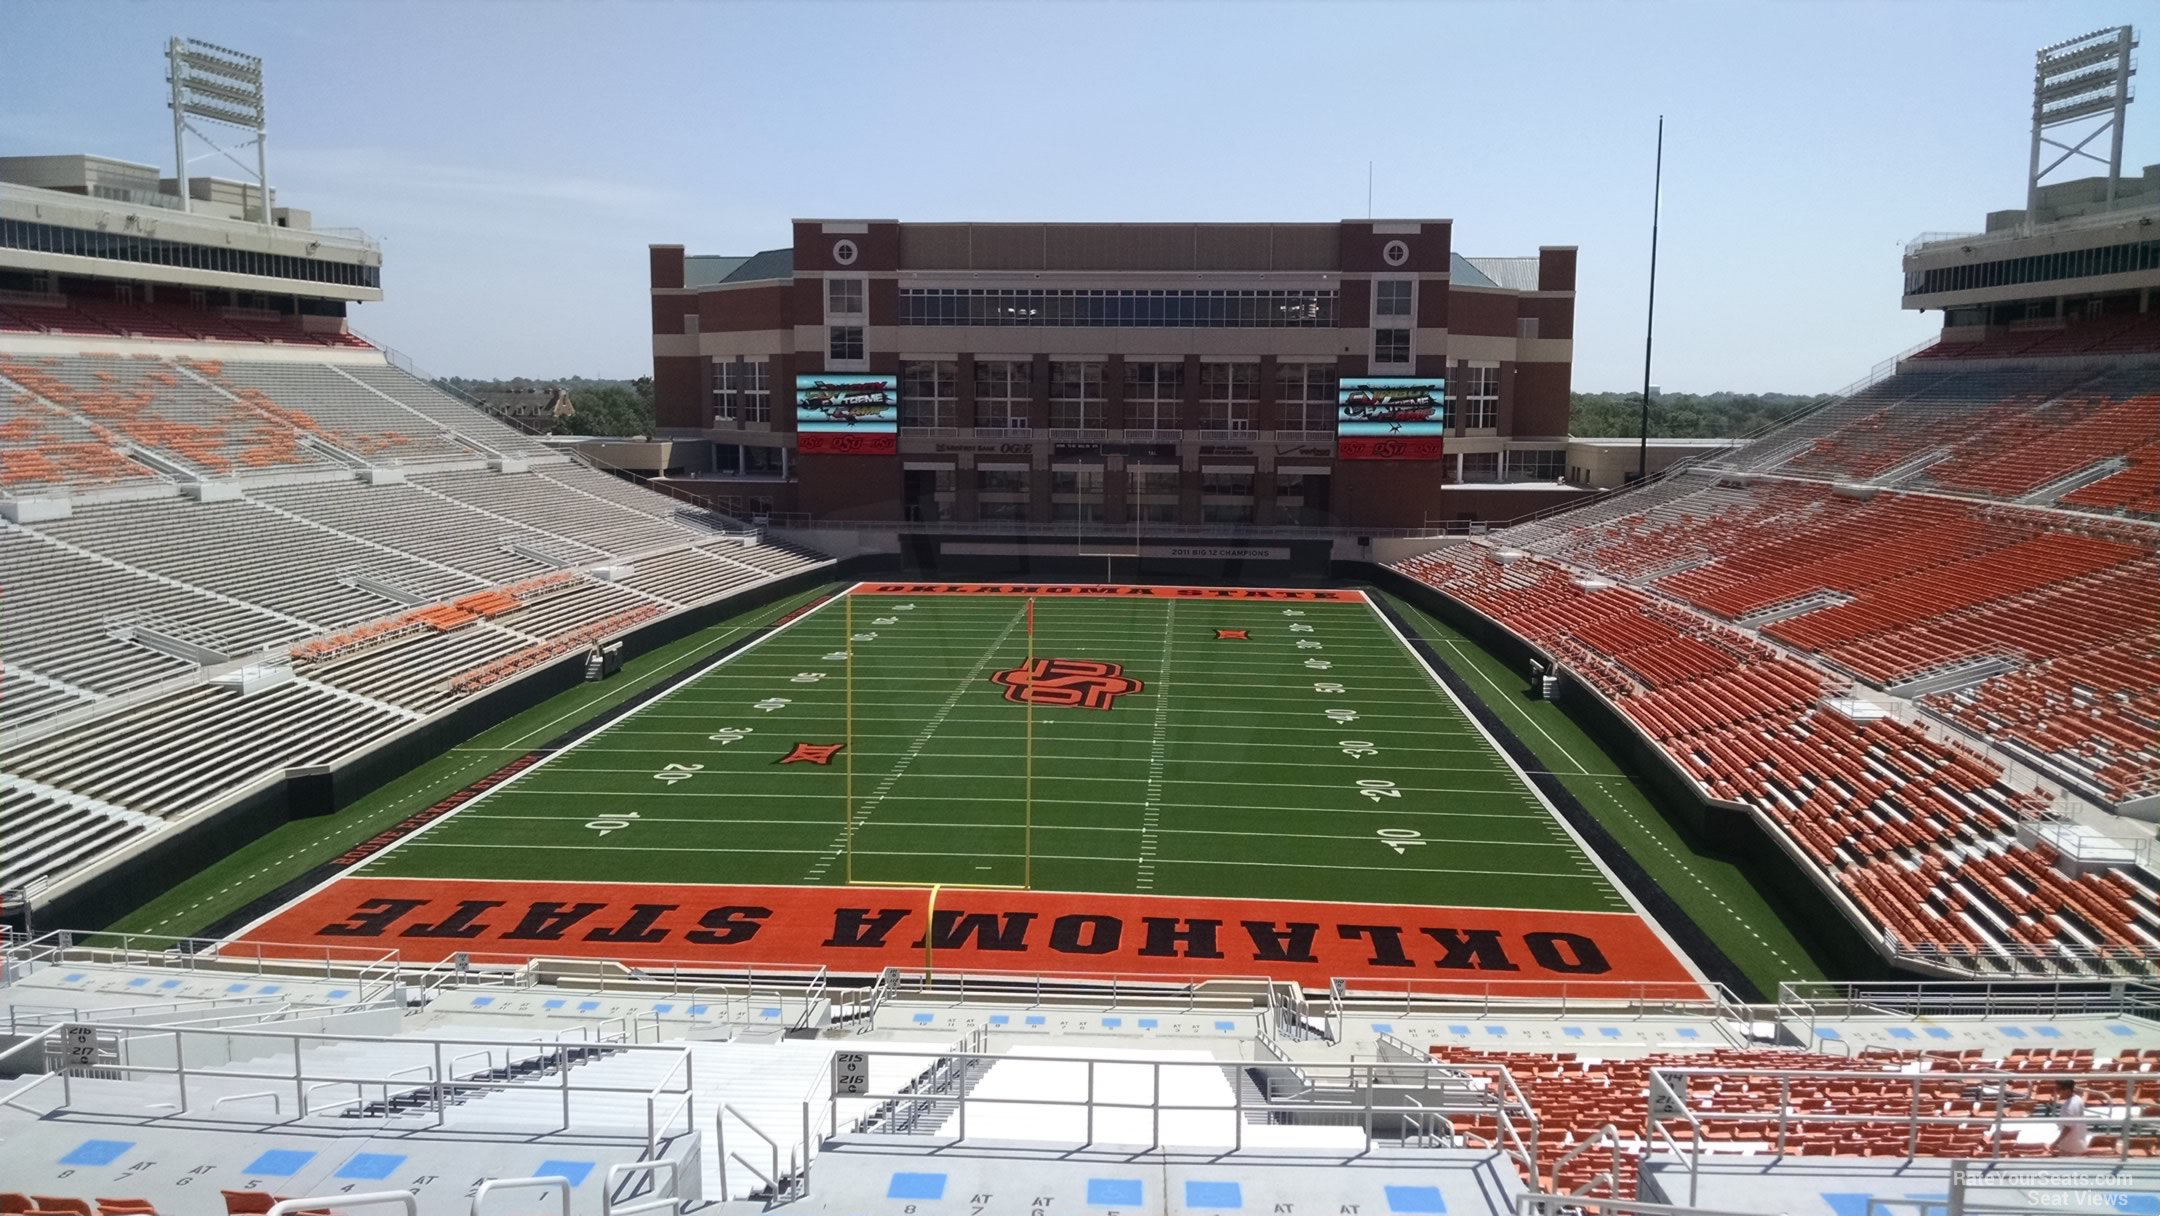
point(607, 409)
point(1682, 415)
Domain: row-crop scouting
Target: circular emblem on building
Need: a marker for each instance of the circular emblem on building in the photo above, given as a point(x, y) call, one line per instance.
point(843, 252)
point(1395, 253)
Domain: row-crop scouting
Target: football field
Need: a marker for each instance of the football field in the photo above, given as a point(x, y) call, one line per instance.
point(1016, 770)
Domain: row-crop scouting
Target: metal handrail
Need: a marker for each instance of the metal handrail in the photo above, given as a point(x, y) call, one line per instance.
point(720, 1121)
point(287, 1207)
point(1345, 1093)
point(618, 1171)
point(1536, 1203)
point(550, 1181)
point(1606, 1134)
point(1668, 1087)
point(277, 1104)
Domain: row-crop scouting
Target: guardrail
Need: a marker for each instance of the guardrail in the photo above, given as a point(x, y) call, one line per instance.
point(1106, 990)
point(2044, 998)
point(1365, 996)
point(1390, 1105)
point(1670, 1103)
point(373, 971)
point(666, 1100)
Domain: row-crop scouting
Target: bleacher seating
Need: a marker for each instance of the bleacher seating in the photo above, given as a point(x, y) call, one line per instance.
point(2105, 335)
point(90, 315)
point(1576, 1095)
point(390, 600)
point(1722, 609)
point(162, 408)
point(303, 1072)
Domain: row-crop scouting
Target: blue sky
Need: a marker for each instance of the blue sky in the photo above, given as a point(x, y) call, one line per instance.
point(516, 158)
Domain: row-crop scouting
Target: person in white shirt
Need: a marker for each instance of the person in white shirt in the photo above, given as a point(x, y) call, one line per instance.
point(2075, 1136)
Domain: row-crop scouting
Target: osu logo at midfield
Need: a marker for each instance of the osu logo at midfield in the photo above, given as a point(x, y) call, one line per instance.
point(1084, 683)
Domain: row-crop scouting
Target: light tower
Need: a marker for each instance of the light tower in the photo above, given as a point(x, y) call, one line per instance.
point(220, 85)
point(2077, 81)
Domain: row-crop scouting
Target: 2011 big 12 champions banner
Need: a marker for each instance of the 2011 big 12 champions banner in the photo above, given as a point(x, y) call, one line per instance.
point(1390, 417)
point(847, 413)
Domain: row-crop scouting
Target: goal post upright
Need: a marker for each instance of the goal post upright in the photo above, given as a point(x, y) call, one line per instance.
point(847, 750)
point(1027, 830)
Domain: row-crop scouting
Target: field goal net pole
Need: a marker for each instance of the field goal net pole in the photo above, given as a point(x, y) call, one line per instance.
point(1109, 572)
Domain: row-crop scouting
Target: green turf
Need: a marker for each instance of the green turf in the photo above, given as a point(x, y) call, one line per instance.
point(256, 867)
point(1235, 771)
point(1714, 891)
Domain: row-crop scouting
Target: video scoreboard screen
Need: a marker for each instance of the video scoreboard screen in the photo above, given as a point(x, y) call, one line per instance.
point(847, 413)
point(1390, 417)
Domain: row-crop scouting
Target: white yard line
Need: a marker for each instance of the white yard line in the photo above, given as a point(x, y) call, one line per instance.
point(520, 775)
point(1151, 807)
point(977, 825)
point(947, 853)
point(857, 822)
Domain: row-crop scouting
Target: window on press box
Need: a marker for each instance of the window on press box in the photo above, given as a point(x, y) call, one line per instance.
point(1391, 298)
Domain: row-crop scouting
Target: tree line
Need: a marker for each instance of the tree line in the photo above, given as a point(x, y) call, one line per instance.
point(610, 408)
point(1682, 415)
point(618, 408)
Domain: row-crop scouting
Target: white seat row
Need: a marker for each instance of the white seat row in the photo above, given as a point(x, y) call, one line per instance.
point(175, 755)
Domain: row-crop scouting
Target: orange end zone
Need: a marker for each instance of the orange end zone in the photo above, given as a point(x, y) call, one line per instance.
point(861, 930)
point(1115, 591)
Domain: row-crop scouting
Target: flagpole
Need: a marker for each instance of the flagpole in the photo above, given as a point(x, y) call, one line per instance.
point(1027, 835)
point(847, 803)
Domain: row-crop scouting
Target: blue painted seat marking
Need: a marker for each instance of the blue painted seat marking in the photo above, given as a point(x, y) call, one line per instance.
point(575, 1171)
point(915, 1186)
point(1223, 1196)
point(1421, 1200)
point(1114, 1192)
point(280, 1162)
point(370, 1167)
point(97, 1152)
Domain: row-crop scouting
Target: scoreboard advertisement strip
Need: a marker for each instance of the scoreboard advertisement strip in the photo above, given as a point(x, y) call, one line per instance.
point(861, 930)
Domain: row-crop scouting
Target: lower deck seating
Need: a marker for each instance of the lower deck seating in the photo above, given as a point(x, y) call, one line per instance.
point(1889, 814)
point(1862, 1110)
point(1902, 589)
point(173, 755)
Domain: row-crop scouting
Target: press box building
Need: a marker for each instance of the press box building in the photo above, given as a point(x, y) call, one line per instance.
point(1351, 375)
